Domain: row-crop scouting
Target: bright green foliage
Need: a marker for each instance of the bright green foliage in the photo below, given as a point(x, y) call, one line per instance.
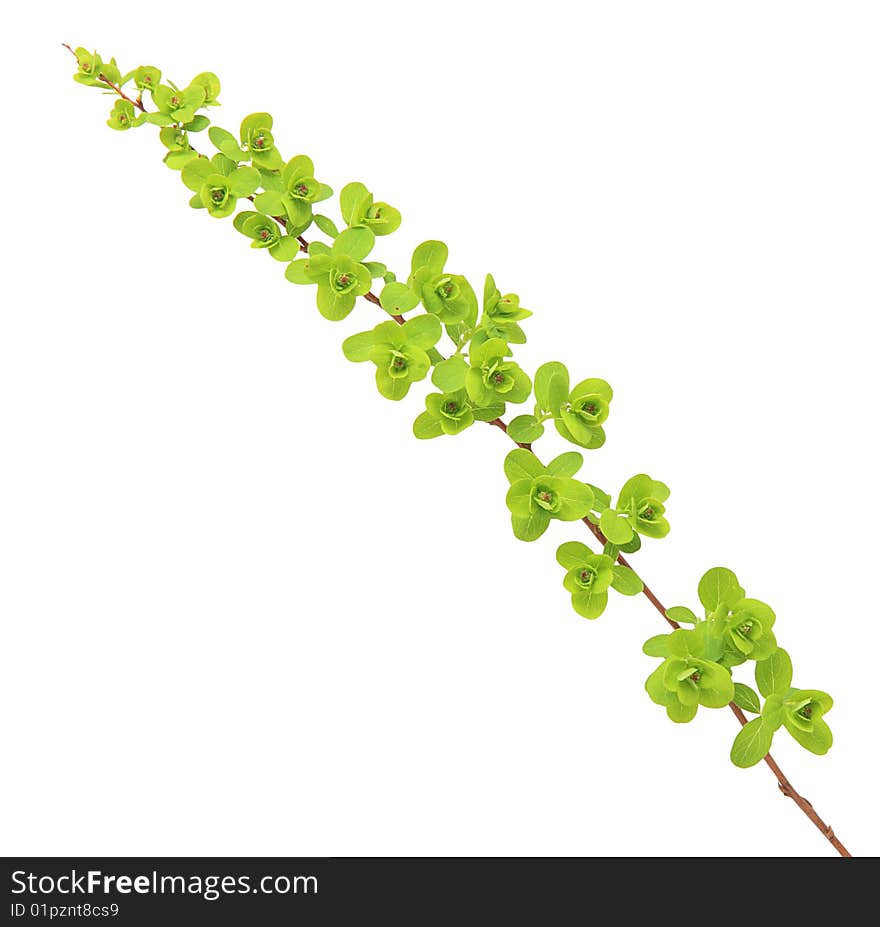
point(89, 68)
point(735, 629)
point(255, 135)
point(748, 627)
point(400, 352)
point(294, 194)
point(267, 233)
point(800, 711)
point(588, 577)
point(146, 77)
point(174, 106)
point(450, 413)
point(180, 152)
point(358, 209)
point(579, 413)
point(746, 698)
point(210, 83)
point(551, 389)
point(218, 183)
point(538, 494)
point(524, 429)
point(582, 415)
point(397, 298)
point(474, 384)
point(641, 501)
point(803, 711)
point(445, 414)
point(448, 296)
point(493, 378)
point(688, 676)
point(773, 673)
point(338, 272)
point(752, 743)
point(123, 116)
point(501, 315)
point(450, 374)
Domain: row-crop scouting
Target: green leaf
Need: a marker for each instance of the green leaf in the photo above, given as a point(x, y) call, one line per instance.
point(431, 255)
point(490, 412)
point(177, 159)
point(398, 298)
point(615, 527)
point(773, 675)
point(334, 306)
point(524, 428)
point(532, 526)
point(270, 203)
point(286, 249)
point(589, 604)
point(632, 546)
point(195, 173)
point(817, 740)
point(717, 585)
point(426, 426)
point(681, 614)
point(354, 243)
point(357, 347)
point(751, 744)
point(522, 464)
point(551, 386)
point(394, 388)
point(351, 195)
point(773, 711)
point(746, 698)
point(424, 331)
point(572, 554)
point(449, 374)
point(297, 272)
point(601, 498)
point(716, 686)
point(575, 497)
point(518, 498)
point(254, 123)
point(626, 581)
point(566, 464)
point(244, 181)
point(210, 85)
point(197, 124)
point(657, 646)
point(686, 644)
point(680, 713)
point(326, 225)
point(227, 143)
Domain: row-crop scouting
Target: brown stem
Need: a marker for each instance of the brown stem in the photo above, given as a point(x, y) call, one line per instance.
point(648, 594)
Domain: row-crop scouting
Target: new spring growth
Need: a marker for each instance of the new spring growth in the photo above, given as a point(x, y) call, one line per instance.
point(272, 196)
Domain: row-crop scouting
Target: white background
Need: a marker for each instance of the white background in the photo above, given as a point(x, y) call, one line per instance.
point(245, 612)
